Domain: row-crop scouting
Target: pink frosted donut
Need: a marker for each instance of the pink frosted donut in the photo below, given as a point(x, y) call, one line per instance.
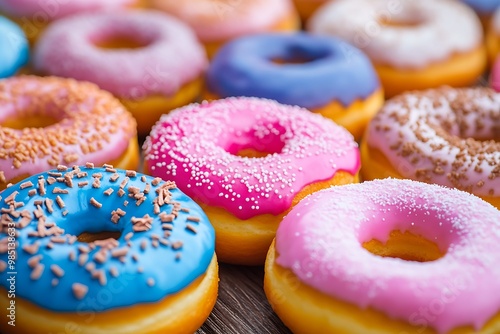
point(56, 9)
point(167, 62)
point(199, 147)
point(321, 241)
point(45, 122)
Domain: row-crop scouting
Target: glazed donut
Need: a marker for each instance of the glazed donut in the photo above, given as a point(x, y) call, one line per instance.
point(45, 122)
point(387, 256)
point(246, 161)
point(34, 15)
point(344, 89)
point(306, 8)
point(150, 61)
point(14, 49)
point(445, 136)
point(152, 269)
point(217, 22)
point(414, 44)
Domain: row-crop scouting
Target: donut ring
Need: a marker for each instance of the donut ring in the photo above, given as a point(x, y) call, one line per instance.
point(14, 49)
point(163, 257)
point(163, 71)
point(416, 44)
point(205, 150)
point(444, 136)
point(45, 122)
point(34, 15)
point(323, 274)
point(343, 88)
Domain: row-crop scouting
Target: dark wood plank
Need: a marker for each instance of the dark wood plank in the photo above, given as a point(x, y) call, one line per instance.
point(242, 306)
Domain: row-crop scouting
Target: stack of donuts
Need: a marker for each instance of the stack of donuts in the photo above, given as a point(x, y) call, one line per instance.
point(349, 148)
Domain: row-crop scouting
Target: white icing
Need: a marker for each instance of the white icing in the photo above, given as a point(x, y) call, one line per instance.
point(444, 28)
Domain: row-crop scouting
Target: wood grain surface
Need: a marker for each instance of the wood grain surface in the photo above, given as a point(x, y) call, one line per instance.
point(242, 306)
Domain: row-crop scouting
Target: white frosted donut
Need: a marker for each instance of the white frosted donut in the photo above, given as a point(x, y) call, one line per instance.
point(404, 34)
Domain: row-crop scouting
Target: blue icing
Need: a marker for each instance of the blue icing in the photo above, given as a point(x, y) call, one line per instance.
point(14, 49)
point(483, 6)
point(170, 274)
point(335, 71)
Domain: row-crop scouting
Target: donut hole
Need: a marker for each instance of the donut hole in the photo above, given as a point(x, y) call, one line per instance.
point(257, 143)
point(406, 246)
point(89, 237)
point(297, 54)
point(120, 42)
point(29, 120)
point(396, 22)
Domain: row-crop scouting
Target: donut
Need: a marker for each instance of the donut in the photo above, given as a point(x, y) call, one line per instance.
point(246, 161)
point(320, 73)
point(387, 256)
point(415, 44)
point(105, 250)
point(34, 15)
point(217, 22)
point(150, 61)
point(49, 121)
point(306, 8)
point(445, 136)
point(14, 49)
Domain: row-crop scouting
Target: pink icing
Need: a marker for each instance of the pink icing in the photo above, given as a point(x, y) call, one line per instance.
point(444, 136)
point(221, 20)
point(196, 145)
point(171, 58)
point(442, 29)
point(320, 240)
point(74, 105)
point(55, 9)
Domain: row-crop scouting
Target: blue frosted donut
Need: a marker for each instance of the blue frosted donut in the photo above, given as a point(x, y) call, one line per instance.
point(264, 66)
point(166, 241)
point(14, 50)
point(483, 7)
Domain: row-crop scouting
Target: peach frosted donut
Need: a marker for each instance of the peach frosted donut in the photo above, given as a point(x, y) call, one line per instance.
point(34, 15)
point(247, 161)
point(445, 136)
point(217, 22)
point(103, 250)
point(387, 256)
point(49, 121)
point(151, 61)
point(414, 44)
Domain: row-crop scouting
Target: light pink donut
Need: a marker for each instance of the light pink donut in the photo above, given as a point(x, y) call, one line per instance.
point(170, 58)
point(321, 239)
point(196, 147)
point(214, 21)
point(495, 74)
point(55, 9)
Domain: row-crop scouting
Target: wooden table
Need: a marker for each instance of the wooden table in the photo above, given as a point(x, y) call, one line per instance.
point(242, 306)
